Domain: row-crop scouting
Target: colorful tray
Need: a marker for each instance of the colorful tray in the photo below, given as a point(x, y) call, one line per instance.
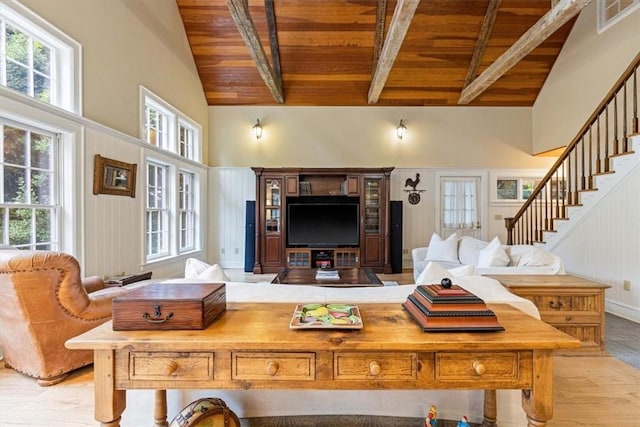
point(326, 316)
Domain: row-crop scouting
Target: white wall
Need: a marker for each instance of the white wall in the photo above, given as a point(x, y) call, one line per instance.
point(441, 137)
point(114, 226)
point(229, 188)
point(125, 44)
point(585, 71)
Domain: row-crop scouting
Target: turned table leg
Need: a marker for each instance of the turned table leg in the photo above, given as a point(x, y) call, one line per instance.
point(160, 409)
point(490, 409)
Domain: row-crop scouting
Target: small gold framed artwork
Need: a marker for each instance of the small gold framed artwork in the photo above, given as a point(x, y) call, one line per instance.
point(114, 177)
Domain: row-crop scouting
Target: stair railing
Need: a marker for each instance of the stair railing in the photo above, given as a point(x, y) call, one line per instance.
point(589, 154)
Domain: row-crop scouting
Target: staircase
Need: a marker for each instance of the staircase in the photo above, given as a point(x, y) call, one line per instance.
point(605, 151)
point(603, 184)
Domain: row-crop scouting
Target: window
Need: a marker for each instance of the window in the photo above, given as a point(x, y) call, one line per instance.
point(612, 11)
point(186, 211)
point(514, 189)
point(157, 210)
point(186, 140)
point(29, 208)
point(167, 128)
point(156, 124)
point(38, 60)
point(172, 211)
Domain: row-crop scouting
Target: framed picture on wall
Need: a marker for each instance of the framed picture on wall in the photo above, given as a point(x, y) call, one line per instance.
point(114, 177)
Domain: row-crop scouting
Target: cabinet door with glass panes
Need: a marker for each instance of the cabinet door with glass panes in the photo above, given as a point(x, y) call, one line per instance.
point(272, 225)
point(372, 247)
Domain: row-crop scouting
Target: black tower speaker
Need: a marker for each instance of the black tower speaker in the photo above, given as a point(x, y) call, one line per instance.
point(250, 236)
point(396, 236)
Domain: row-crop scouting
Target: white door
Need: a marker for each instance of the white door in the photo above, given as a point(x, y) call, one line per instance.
point(460, 205)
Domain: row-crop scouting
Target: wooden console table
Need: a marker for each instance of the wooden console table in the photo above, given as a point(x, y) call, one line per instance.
point(390, 352)
point(571, 304)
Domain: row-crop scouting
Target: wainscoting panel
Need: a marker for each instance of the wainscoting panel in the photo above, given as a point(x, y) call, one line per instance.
point(113, 224)
point(605, 247)
point(229, 189)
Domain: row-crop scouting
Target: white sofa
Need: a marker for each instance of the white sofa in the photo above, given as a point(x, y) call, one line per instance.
point(486, 257)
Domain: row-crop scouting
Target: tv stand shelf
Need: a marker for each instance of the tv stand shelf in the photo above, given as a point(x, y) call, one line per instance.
point(333, 190)
point(323, 257)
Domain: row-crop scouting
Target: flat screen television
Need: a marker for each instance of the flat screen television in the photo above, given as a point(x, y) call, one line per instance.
point(322, 224)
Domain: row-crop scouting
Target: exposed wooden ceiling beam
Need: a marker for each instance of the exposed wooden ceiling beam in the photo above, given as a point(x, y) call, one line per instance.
point(559, 14)
point(240, 13)
point(483, 39)
point(273, 39)
point(381, 16)
point(402, 16)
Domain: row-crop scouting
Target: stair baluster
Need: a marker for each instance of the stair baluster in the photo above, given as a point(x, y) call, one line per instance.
point(576, 163)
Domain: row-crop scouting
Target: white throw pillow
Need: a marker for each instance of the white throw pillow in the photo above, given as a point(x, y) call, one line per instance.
point(443, 250)
point(196, 269)
point(535, 257)
point(433, 273)
point(494, 255)
point(469, 248)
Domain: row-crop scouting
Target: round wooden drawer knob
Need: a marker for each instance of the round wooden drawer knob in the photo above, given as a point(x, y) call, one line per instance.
point(172, 367)
point(479, 367)
point(374, 368)
point(272, 368)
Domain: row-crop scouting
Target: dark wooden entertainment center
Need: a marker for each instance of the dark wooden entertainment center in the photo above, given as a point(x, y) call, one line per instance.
point(366, 187)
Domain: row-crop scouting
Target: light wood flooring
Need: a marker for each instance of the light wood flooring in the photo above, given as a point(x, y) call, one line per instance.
point(588, 391)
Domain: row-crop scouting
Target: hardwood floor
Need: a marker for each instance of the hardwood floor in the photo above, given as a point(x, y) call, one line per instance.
point(588, 391)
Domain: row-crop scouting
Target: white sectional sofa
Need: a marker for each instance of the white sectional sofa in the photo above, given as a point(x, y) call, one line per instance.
point(486, 257)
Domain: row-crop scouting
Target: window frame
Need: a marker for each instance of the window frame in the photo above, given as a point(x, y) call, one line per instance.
point(66, 62)
point(175, 121)
point(54, 206)
point(31, 113)
point(191, 210)
point(173, 169)
point(164, 211)
point(604, 24)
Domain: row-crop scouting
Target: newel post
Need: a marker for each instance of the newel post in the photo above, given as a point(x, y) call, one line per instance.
point(509, 226)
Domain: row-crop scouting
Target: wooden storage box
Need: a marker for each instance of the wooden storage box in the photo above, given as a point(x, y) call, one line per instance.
point(168, 306)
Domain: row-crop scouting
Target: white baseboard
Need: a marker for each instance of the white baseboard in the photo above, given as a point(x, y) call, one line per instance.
point(622, 310)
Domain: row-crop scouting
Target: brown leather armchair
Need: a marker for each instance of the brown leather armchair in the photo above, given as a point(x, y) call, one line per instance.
point(43, 303)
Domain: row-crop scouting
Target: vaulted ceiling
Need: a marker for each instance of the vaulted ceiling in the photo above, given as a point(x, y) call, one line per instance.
point(376, 52)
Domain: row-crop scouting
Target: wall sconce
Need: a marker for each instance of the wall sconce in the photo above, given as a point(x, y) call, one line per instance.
point(401, 129)
point(257, 129)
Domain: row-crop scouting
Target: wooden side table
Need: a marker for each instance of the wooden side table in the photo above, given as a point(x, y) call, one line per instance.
point(569, 303)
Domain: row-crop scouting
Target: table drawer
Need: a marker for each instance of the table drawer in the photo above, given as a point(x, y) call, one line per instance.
point(273, 366)
point(479, 366)
point(170, 366)
point(561, 303)
point(367, 366)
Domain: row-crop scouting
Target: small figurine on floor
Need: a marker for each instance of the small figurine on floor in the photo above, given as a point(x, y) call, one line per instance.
point(464, 422)
point(431, 417)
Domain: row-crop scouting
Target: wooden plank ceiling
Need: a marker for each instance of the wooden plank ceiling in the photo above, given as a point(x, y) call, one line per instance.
point(325, 52)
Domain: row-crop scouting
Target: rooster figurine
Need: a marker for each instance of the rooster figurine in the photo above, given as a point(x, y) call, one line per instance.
point(413, 183)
